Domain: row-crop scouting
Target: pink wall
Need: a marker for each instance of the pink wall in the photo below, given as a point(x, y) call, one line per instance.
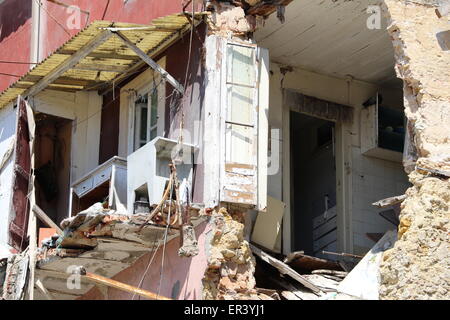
point(184, 273)
point(15, 39)
point(16, 26)
point(133, 11)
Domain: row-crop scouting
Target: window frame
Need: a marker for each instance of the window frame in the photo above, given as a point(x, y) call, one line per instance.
point(140, 86)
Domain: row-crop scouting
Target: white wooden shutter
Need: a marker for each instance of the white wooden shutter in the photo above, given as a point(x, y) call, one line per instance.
point(244, 126)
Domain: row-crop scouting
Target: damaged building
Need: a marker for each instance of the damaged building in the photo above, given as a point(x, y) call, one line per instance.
point(224, 150)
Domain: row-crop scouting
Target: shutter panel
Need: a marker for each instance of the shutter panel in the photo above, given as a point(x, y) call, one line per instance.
point(21, 180)
point(240, 128)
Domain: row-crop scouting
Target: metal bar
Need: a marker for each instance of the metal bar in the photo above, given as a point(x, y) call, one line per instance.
point(121, 286)
point(68, 63)
point(342, 254)
point(241, 85)
point(151, 62)
point(240, 124)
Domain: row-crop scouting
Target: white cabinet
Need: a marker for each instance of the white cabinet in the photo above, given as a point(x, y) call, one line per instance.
point(382, 132)
point(148, 169)
point(107, 181)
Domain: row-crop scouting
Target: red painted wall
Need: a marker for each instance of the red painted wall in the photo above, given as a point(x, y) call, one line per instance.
point(15, 39)
point(182, 277)
point(133, 11)
point(16, 26)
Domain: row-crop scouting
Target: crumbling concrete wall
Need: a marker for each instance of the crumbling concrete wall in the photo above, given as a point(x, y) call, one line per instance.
point(418, 265)
point(228, 20)
point(231, 265)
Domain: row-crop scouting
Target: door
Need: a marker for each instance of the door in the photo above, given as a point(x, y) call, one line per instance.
point(21, 176)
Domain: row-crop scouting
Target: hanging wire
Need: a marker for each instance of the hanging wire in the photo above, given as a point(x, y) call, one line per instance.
point(149, 263)
point(54, 19)
point(164, 243)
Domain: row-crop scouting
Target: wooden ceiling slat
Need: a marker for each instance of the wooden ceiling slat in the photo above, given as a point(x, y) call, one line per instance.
point(109, 61)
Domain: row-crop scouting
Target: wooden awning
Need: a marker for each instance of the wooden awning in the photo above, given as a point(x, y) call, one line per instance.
point(95, 57)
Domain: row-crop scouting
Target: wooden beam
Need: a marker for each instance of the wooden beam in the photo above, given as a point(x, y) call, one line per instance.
point(68, 63)
point(284, 269)
point(45, 219)
point(102, 55)
point(151, 62)
point(101, 67)
point(69, 81)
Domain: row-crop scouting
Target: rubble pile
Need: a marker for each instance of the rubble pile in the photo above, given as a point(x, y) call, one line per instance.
point(418, 265)
point(422, 252)
point(231, 265)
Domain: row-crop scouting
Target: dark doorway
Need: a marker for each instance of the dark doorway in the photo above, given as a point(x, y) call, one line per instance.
point(52, 165)
point(313, 184)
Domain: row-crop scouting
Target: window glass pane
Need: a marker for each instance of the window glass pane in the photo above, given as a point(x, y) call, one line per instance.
point(143, 131)
point(241, 65)
point(240, 102)
point(154, 106)
point(153, 134)
point(239, 144)
point(140, 121)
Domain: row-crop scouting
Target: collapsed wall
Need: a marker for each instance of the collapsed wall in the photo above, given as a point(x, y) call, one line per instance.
point(418, 265)
point(231, 265)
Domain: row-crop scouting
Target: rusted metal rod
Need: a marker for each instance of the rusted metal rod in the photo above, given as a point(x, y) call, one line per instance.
point(343, 254)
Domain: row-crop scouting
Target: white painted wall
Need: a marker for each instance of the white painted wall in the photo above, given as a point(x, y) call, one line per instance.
point(8, 118)
point(84, 108)
point(373, 179)
point(383, 178)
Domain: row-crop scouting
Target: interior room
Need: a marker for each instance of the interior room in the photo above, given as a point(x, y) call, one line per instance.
point(313, 183)
point(52, 164)
point(325, 50)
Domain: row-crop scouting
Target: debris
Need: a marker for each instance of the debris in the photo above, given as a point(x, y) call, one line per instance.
point(229, 276)
point(288, 295)
point(16, 277)
point(3, 265)
point(298, 260)
point(321, 282)
point(389, 201)
point(340, 274)
point(343, 254)
point(364, 280)
point(300, 293)
point(190, 245)
point(270, 293)
point(284, 268)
